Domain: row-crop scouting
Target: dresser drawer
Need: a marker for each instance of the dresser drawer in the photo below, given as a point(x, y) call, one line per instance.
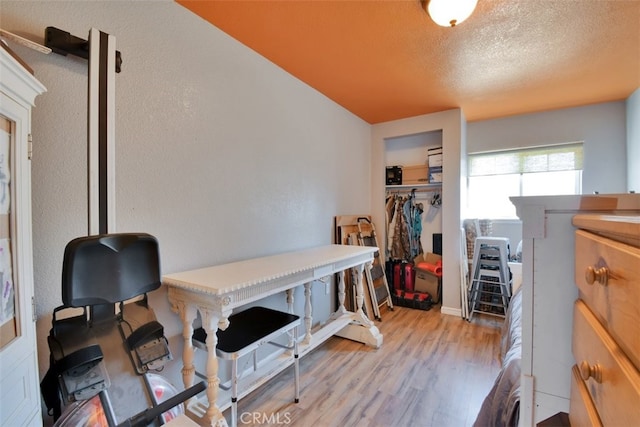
point(610, 378)
point(582, 411)
point(607, 273)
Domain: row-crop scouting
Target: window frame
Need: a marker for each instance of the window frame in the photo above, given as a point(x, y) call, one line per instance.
point(521, 161)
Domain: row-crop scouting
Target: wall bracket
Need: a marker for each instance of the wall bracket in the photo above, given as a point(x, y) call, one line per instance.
point(63, 43)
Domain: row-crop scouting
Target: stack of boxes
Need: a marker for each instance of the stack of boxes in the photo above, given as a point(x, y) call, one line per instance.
point(434, 159)
point(429, 173)
point(427, 280)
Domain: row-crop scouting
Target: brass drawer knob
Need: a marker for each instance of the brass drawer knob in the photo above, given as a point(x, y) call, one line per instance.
point(601, 275)
point(590, 371)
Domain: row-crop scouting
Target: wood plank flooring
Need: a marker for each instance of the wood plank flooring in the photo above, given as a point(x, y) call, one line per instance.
point(432, 370)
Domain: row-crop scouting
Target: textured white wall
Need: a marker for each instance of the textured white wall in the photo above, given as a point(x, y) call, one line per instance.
point(633, 142)
point(219, 153)
point(600, 126)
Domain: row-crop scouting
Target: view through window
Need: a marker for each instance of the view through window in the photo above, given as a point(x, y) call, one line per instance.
point(494, 177)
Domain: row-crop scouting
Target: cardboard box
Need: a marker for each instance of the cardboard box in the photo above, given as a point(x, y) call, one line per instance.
point(434, 155)
point(415, 175)
point(425, 280)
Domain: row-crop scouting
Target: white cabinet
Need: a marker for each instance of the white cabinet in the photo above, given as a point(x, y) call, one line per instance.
point(19, 388)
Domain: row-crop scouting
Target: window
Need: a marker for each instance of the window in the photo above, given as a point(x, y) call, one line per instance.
point(496, 176)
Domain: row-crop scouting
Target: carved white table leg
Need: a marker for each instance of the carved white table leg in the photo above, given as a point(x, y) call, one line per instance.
point(307, 313)
point(210, 322)
point(289, 293)
point(187, 314)
point(361, 328)
point(359, 315)
point(341, 293)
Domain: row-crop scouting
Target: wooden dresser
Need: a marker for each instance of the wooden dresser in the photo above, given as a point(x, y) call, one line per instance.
point(605, 387)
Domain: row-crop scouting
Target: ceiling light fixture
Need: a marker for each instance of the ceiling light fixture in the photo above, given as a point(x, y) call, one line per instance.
point(449, 13)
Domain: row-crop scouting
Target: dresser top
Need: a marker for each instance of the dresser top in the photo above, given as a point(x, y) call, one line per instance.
point(625, 228)
point(581, 203)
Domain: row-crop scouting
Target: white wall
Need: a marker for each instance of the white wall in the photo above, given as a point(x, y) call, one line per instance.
point(219, 153)
point(633, 142)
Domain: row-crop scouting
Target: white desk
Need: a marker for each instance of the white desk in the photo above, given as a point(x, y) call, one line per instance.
point(215, 291)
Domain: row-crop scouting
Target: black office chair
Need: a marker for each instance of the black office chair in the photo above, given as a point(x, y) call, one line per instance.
point(100, 273)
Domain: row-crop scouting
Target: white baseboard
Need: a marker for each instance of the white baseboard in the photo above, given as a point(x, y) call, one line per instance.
point(451, 311)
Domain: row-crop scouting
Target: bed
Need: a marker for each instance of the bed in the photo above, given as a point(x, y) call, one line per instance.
point(501, 407)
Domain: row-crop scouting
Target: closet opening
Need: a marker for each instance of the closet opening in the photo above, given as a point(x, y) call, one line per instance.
point(413, 218)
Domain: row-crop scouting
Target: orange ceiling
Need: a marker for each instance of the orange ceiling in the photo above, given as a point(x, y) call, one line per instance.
point(386, 60)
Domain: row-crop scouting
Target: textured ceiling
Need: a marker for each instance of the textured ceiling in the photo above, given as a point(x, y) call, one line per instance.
point(386, 60)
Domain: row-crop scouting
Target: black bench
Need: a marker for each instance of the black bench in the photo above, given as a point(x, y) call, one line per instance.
point(247, 331)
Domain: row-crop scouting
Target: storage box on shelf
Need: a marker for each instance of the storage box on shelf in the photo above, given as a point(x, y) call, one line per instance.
point(434, 160)
point(415, 174)
point(394, 175)
point(434, 156)
point(435, 174)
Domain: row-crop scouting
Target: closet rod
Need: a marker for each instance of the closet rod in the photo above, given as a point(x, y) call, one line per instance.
point(414, 190)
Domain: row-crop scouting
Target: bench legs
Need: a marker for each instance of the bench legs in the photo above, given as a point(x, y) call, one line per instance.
point(234, 379)
point(234, 392)
point(296, 365)
point(247, 332)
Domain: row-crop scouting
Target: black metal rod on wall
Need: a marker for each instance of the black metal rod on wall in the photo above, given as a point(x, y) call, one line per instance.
point(101, 133)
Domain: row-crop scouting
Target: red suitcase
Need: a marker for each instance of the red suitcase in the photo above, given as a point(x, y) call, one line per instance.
point(404, 294)
point(397, 276)
point(409, 277)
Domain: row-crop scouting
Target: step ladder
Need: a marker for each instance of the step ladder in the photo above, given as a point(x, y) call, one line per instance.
point(490, 290)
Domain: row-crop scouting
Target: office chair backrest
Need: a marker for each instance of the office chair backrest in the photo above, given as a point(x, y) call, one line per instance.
point(109, 268)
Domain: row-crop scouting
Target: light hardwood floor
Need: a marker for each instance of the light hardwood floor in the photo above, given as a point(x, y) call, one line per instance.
point(432, 370)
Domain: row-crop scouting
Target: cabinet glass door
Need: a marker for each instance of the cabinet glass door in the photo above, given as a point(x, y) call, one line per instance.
point(19, 391)
point(8, 321)
point(19, 383)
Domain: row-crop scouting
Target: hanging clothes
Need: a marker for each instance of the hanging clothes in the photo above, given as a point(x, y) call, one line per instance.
point(408, 219)
point(413, 212)
point(390, 209)
point(400, 245)
point(404, 227)
point(416, 247)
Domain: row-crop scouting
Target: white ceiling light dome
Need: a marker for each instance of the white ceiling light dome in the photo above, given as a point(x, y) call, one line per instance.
point(449, 13)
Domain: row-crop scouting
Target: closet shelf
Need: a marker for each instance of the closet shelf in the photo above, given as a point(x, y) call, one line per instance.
point(409, 187)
